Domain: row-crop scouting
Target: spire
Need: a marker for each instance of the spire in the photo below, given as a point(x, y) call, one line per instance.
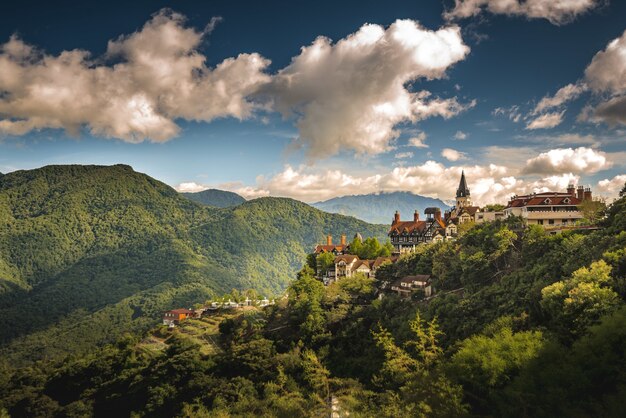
point(463, 190)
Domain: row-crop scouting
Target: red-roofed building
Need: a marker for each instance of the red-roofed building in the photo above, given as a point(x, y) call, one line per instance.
point(174, 316)
point(550, 209)
point(332, 248)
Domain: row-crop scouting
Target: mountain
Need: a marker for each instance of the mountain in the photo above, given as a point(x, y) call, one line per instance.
point(379, 208)
point(215, 197)
point(90, 252)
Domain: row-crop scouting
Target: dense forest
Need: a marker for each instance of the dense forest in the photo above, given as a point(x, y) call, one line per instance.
point(216, 198)
point(90, 252)
point(524, 324)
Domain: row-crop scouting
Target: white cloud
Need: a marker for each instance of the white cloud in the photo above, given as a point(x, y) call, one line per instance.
point(546, 121)
point(558, 12)
point(460, 135)
point(607, 74)
point(350, 95)
point(563, 160)
point(563, 139)
point(453, 155)
point(562, 96)
point(612, 187)
point(488, 184)
point(513, 112)
point(404, 155)
point(418, 141)
point(191, 187)
point(156, 76)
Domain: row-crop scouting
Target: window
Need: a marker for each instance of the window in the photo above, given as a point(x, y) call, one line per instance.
point(540, 221)
point(551, 221)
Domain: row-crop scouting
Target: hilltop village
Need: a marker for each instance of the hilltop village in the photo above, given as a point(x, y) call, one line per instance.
point(554, 211)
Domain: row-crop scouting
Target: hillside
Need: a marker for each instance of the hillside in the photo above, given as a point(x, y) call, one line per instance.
point(379, 208)
point(89, 252)
point(216, 198)
point(538, 330)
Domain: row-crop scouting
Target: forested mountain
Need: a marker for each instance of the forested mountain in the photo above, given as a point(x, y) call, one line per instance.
point(524, 324)
point(379, 208)
point(90, 252)
point(216, 198)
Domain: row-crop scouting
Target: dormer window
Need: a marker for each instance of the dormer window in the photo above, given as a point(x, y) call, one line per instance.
point(547, 201)
point(567, 200)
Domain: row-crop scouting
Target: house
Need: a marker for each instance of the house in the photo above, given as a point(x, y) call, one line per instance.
point(550, 209)
point(406, 235)
point(173, 317)
point(406, 286)
point(344, 265)
point(332, 248)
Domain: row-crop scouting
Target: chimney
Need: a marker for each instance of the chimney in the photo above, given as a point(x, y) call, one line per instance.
point(580, 192)
point(587, 194)
point(438, 215)
point(396, 217)
point(571, 190)
point(343, 239)
point(416, 217)
point(329, 240)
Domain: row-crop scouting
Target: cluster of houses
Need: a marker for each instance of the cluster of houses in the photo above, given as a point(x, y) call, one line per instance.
point(553, 210)
point(175, 316)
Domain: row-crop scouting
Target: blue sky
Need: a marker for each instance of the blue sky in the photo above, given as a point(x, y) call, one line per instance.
point(405, 102)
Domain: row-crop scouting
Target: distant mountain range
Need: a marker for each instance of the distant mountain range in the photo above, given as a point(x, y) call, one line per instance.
point(90, 252)
point(379, 208)
point(216, 198)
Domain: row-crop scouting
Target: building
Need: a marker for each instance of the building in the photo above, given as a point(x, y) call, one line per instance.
point(406, 235)
point(550, 209)
point(339, 249)
point(463, 211)
point(408, 285)
point(173, 317)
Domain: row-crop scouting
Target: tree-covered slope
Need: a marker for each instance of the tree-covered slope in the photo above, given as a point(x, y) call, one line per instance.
point(216, 198)
point(89, 252)
point(379, 208)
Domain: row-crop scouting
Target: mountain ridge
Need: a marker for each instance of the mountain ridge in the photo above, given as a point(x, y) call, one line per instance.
point(215, 197)
point(378, 208)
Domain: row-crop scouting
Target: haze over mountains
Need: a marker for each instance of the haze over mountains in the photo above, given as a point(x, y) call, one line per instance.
point(379, 208)
point(90, 252)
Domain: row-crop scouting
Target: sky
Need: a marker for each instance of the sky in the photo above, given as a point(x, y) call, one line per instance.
point(313, 100)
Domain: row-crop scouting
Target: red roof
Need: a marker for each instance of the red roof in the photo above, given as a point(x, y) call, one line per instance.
point(544, 199)
point(181, 311)
point(329, 248)
point(408, 226)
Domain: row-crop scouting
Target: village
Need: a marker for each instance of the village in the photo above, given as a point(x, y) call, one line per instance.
point(554, 211)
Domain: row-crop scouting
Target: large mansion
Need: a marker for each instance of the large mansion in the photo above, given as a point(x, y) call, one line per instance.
point(550, 209)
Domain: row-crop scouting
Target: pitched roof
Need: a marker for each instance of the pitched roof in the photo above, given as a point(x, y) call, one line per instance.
point(415, 278)
point(181, 311)
point(380, 260)
point(363, 263)
point(544, 199)
point(348, 258)
point(463, 190)
point(329, 248)
point(408, 226)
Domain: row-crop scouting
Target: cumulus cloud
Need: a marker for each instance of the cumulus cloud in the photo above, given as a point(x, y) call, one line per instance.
point(558, 12)
point(546, 121)
point(350, 95)
point(136, 91)
point(452, 154)
point(563, 160)
point(562, 96)
point(418, 141)
point(606, 74)
point(488, 184)
point(613, 186)
point(460, 135)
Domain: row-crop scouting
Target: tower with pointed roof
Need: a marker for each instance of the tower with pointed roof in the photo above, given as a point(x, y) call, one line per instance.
point(463, 198)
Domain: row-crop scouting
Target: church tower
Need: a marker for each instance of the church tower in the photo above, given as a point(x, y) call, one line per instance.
point(463, 193)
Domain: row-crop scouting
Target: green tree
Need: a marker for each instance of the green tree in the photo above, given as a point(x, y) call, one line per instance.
point(325, 262)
